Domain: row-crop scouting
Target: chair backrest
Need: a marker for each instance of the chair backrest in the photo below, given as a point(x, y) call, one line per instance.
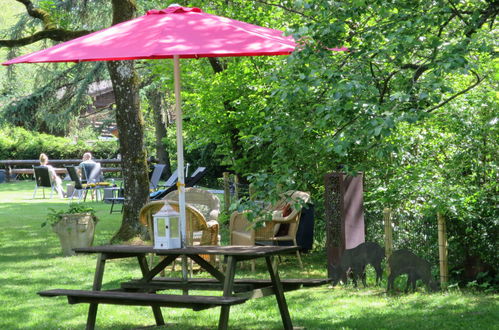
point(195, 221)
point(42, 176)
point(292, 203)
point(73, 175)
point(156, 175)
point(172, 179)
point(197, 175)
point(92, 172)
point(204, 201)
point(239, 229)
point(189, 182)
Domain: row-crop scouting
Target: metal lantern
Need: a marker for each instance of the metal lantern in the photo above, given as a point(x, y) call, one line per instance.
point(167, 228)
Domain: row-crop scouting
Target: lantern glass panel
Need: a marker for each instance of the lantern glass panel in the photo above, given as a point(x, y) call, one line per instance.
point(161, 227)
point(174, 223)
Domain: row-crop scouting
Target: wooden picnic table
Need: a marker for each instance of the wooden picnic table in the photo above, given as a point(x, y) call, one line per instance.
point(144, 291)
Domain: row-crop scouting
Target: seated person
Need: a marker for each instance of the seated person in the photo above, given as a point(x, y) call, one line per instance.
point(53, 176)
point(87, 167)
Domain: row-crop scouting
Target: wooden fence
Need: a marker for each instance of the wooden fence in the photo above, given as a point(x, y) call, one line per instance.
point(16, 167)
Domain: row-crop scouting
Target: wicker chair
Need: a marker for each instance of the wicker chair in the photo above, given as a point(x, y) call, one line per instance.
point(195, 222)
point(209, 205)
point(283, 226)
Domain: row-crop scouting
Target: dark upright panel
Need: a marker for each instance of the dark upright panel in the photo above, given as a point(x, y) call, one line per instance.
point(344, 214)
point(353, 211)
point(333, 206)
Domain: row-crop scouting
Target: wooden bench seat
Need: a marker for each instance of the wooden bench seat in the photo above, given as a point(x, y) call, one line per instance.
point(143, 299)
point(163, 283)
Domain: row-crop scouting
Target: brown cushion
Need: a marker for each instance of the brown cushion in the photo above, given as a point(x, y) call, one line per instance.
point(287, 210)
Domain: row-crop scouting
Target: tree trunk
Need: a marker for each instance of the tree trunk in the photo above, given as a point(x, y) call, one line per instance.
point(156, 101)
point(131, 133)
point(235, 143)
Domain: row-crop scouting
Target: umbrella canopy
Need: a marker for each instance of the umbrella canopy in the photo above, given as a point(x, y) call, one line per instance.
point(186, 32)
point(175, 32)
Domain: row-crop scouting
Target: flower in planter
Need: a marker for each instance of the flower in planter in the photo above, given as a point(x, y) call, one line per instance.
point(75, 208)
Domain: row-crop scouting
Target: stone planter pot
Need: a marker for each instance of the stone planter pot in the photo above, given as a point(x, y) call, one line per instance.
point(75, 231)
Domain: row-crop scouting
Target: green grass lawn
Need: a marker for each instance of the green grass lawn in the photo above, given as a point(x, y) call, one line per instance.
point(31, 260)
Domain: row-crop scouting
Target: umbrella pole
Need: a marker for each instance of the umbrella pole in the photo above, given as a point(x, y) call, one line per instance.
point(180, 160)
point(180, 149)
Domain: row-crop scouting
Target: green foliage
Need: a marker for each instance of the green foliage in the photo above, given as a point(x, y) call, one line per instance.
point(74, 208)
point(56, 101)
point(402, 105)
point(445, 164)
point(18, 143)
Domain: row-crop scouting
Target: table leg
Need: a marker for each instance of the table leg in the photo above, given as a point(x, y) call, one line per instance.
point(156, 310)
point(223, 323)
point(99, 274)
point(185, 291)
point(208, 267)
point(279, 294)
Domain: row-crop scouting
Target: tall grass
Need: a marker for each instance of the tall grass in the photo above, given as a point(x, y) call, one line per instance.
point(31, 261)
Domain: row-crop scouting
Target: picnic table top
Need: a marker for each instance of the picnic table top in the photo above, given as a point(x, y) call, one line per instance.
point(229, 250)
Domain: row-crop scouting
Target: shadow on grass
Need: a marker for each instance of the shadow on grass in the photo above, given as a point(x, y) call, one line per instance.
point(15, 185)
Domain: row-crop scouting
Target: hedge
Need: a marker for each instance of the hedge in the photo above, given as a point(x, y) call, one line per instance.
point(18, 143)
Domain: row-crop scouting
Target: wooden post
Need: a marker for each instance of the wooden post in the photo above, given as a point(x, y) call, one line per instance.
point(8, 173)
point(236, 187)
point(442, 250)
point(226, 192)
point(251, 191)
point(279, 188)
point(387, 216)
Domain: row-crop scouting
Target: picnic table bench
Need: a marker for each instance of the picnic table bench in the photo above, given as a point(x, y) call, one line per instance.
point(241, 286)
point(118, 297)
point(144, 291)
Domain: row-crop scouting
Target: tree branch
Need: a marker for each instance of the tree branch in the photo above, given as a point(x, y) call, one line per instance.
point(375, 80)
point(456, 12)
point(53, 34)
point(348, 123)
point(38, 13)
point(50, 30)
point(490, 12)
point(384, 90)
point(286, 8)
point(476, 83)
point(419, 70)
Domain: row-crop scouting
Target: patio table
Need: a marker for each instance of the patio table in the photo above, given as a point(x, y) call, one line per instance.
point(143, 291)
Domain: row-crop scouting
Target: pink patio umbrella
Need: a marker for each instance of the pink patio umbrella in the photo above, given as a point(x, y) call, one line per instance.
point(175, 32)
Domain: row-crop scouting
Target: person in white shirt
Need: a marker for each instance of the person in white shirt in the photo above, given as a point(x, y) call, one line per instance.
point(53, 175)
point(87, 159)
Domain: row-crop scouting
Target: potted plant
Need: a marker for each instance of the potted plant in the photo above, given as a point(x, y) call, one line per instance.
point(75, 226)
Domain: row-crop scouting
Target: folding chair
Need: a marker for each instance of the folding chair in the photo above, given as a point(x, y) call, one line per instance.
point(92, 172)
point(42, 178)
point(195, 177)
point(156, 176)
point(116, 197)
point(80, 188)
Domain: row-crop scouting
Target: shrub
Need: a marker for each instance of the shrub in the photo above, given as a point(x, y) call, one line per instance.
point(19, 143)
